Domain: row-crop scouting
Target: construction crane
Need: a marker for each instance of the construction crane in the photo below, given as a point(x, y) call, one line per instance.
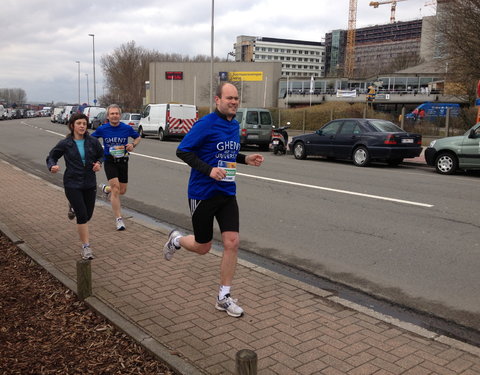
point(349, 65)
point(375, 4)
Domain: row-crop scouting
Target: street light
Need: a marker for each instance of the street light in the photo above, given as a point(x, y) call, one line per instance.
point(88, 91)
point(78, 62)
point(94, 85)
point(211, 61)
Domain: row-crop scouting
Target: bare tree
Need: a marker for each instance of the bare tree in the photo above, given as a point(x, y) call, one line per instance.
point(13, 96)
point(458, 24)
point(127, 69)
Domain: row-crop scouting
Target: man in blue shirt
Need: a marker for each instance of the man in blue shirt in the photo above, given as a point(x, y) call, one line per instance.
point(211, 148)
point(115, 135)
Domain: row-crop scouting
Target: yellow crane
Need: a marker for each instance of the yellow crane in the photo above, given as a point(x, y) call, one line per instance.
point(376, 4)
point(349, 65)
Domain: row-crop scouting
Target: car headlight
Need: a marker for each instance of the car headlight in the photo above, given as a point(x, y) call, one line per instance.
point(432, 143)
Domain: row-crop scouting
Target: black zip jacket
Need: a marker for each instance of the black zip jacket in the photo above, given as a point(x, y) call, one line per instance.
point(77, 175)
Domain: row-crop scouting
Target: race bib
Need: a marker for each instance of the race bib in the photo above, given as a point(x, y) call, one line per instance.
point(230, 167)
point(117, 151)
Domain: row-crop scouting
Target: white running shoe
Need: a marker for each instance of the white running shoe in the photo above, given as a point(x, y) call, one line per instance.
point(87, 253)
point(169, 248)
point(105, 189)
point(229, 305)
point(120, 224)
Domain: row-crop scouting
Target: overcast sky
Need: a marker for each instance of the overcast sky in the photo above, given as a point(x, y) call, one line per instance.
point(41, 40)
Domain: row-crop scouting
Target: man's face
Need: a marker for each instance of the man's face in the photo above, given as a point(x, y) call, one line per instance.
point(114, 116)
point(228, 103)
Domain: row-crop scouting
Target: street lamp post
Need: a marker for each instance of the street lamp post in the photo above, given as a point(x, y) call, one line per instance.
point(211, 60)
point(94, 85)
point(78, 62)
point(88, 91)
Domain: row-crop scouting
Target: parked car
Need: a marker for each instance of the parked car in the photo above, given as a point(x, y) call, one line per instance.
point(449, 154)
point(99, 119)
point(256, 127)
point(91, 112)
point(131, 119)
point(360, 140)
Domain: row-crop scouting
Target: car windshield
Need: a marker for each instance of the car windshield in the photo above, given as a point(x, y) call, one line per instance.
point(385, 126)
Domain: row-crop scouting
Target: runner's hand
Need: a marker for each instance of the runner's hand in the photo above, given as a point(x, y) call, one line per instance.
point(254, 159)
point(218, 173)
point(55, 169)
point(96, 166)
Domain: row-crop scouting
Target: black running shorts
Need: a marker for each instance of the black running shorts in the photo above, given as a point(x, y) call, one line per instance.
point(116, 169)
point(221, 207)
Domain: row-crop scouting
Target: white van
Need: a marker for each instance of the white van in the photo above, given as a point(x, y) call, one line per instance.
point(167, 120)
point(2, 112)
point(55, 117)
point(91, 113)
point(69, 111)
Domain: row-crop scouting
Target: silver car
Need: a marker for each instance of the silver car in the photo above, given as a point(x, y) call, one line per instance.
point(131, 119)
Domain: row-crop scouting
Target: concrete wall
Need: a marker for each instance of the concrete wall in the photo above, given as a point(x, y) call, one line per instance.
point(194, 88)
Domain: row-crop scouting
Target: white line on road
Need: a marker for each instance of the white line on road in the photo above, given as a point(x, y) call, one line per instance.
point(379, 197)
point(307, 185)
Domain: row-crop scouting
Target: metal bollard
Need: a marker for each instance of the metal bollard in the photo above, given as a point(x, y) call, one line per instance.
point(246, 362)
point(84, 279)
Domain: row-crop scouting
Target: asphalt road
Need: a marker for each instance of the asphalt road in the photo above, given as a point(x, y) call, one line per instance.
point(403, 233)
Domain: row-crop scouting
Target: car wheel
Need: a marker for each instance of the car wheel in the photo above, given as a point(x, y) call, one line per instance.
point(140, 131)
point(446, 163)
point(299, 151)
point(361, 156)
point(394, 162)
point(161, 135)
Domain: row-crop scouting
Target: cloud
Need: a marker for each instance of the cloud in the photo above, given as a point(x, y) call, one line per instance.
point(41, 40)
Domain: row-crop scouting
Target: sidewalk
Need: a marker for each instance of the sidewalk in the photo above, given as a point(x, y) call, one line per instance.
point(169, 306)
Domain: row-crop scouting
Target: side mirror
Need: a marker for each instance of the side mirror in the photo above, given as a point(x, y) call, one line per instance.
point(472, 134)
point(319, 132)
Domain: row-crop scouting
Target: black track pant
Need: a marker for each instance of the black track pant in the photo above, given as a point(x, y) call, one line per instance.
point(83, 202)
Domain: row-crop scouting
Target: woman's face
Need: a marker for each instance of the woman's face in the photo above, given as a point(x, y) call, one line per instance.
point(79, 128)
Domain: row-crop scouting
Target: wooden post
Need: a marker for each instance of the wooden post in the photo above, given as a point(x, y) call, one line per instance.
point(84, 279)
point(447, 123)
point(402, 122)
point(246, 362)
point(304, 116)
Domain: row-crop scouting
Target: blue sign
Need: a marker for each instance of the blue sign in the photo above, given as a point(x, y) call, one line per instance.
point(94, 101)
point(477, 101)
point(223, 76)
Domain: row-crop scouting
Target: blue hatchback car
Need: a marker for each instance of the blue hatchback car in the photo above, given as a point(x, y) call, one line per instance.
point(358, 139)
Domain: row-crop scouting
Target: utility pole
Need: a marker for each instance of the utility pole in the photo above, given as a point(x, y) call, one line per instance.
point(78, 62)
point(94, 84)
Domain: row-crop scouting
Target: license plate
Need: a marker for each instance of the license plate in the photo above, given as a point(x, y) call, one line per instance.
point(407, 140)
point(275, 142)
point(253, 136)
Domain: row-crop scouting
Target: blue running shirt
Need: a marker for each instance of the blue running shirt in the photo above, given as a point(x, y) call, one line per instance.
point(216, 141)
point(114, 136)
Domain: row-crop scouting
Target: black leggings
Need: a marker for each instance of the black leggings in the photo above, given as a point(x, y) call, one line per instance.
point(83, 202)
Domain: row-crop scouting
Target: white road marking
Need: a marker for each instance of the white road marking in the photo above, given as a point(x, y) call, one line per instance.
point(305, 185)
point(379, 197)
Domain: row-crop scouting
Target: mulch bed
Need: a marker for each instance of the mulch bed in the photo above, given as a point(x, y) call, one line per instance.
point(45, 329)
